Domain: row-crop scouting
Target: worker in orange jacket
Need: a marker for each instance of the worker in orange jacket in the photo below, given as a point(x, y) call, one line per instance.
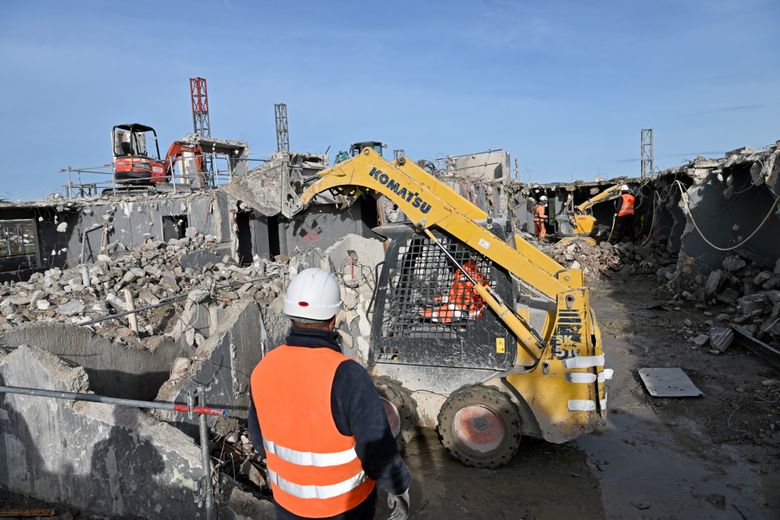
point(462, 302)
point(540, 217)
point(316, 418)
point(624, 207)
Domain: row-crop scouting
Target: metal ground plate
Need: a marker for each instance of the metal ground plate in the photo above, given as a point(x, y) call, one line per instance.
point(668, 382)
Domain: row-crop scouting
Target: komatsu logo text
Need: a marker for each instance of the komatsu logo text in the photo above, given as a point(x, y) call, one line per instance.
point(401, 191)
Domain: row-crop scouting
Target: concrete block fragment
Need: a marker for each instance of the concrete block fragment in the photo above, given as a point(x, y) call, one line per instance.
point(751, 303)
point(721, 338)
point(728, 295)
point(762, 277)
point(116, 302)
point(226, 360)
point(71, 308)
point(713, 282)
point(733, 263)
point(700, 340)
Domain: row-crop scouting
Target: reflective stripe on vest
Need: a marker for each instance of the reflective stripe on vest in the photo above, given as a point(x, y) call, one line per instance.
point(313, 491)
point(312, 468)
point(627, 207)
point(308, 458)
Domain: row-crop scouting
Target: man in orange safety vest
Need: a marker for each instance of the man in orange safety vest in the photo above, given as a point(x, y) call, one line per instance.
point(540, 230)
point(316, 417)
point(624, 206)
point(462, 301)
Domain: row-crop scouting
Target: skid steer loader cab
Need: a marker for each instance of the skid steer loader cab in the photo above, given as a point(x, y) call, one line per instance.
point(417, 277)
point(356, 148)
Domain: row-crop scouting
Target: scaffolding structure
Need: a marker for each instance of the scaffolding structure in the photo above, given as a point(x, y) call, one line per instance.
point(282, 134)
point(647, 153)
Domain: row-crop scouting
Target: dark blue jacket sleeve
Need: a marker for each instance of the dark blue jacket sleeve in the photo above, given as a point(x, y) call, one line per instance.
point(255, 435)
point(358, 411)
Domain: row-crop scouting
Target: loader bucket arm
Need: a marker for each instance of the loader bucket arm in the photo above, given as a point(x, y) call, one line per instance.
point(428, 202)
point(609, 194)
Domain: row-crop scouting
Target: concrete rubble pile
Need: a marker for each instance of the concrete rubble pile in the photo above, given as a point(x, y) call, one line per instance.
point(151, 274)
point(606, 261)
point(742, 292)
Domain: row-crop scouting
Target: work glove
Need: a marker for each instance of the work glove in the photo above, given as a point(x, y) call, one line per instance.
point(399, 506)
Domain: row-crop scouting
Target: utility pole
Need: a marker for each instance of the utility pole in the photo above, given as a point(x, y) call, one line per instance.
point(201, 123)
point(647, 152)
point(282, 134)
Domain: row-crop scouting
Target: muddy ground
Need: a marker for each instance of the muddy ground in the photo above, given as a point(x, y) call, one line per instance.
point(715, 456)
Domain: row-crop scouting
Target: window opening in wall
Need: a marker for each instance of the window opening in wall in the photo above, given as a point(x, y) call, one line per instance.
point(174, 226)
point(19, 244)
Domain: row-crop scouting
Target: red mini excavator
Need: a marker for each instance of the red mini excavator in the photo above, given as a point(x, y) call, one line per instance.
point(135, 165)
point(132, 162)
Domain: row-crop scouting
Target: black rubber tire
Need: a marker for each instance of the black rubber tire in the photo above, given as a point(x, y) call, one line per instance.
point(498, 403)
point(392, 391)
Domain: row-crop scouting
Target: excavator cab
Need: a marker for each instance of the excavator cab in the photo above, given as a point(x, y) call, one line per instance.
point(133, 163)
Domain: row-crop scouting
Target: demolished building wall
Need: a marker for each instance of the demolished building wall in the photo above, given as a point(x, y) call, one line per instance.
point(731, 210)
point(102, 459)
point(480, 178)
point(115, 369)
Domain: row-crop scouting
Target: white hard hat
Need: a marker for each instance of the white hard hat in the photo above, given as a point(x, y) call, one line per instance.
point(313, 295)
point(624, 187)
point(543, 198)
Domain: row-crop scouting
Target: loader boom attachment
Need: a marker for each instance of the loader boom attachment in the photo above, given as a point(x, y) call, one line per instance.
point(428, 202)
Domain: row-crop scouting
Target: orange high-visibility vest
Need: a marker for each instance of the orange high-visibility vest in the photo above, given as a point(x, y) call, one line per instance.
point(313, 469)
point(462, 302)
point(627, 207)
point(539, 213)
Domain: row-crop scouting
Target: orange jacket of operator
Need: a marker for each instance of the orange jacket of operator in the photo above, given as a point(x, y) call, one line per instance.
point(627, 207)
point(313, 469)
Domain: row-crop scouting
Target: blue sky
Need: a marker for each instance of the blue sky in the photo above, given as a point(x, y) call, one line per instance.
point(564, 86)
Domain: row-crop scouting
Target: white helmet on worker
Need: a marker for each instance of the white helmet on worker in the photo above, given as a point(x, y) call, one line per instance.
point(543, 198)
point(624, 187)
point(313, 295)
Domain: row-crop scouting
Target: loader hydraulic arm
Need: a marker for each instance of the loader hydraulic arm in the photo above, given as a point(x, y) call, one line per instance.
point(427, 203)
point(610, 193)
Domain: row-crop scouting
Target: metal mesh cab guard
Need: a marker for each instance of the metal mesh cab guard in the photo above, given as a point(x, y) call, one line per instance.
point(427, 313)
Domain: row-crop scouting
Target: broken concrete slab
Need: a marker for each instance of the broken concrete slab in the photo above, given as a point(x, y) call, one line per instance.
point(199, 258)
point(223, 363)
point(720, 338)
point(98, 458)
point(114, 369)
